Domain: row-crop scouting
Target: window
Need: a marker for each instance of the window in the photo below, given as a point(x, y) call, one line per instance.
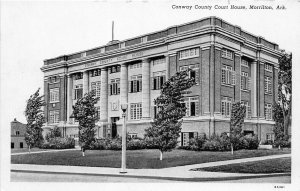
point(192, 106)
point(186, 136)
point(268, 84)
point(226, 106)
point(12, 145)
point(248, 109)
point(78, 91)
point(156, 110)
point(135, 84)
point(158, 80)
point(194, 72)
point(245, 63)
point(78, 76)
point(189, 53)
point(135, 65)
point(96, 72)
point(53, 79)
point(21, 145)
point(54, 95)
point(98, 112)
point(245, 81)
point(136, 111)
point(114, 87)
point(268, 111)
point(96, 86)
point(228, 75)
point(17, 133)
point(115, 69)
point(268, 67)
point(159, 61)
point(227, 54)
point(132, 135)
point(54, 117)
point(270, 137)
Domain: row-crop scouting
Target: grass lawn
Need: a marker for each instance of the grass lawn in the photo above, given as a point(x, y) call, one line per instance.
point(282, 165)
point(25, 150)
point(135, 158)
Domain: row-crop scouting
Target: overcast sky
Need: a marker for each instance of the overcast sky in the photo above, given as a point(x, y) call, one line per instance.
point(34, 31)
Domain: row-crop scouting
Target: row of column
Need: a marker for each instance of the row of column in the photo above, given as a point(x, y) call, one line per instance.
point(123, 90)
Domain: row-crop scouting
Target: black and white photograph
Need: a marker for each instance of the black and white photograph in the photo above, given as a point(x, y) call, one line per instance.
point(148, 94)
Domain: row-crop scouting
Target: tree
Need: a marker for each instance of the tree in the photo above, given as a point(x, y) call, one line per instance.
point(237, 117)
point(165, 129)
point(85, 112)
point(285, 89)
point(35, 119)
point(55, 132)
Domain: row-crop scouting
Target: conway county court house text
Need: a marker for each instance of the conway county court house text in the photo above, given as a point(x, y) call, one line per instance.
point(227, 63)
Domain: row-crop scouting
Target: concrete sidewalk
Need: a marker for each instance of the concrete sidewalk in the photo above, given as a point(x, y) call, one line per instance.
point(48, 151)
point(174, 173)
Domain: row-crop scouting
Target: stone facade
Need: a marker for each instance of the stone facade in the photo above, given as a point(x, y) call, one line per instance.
point(17, 133)
point(131, 72)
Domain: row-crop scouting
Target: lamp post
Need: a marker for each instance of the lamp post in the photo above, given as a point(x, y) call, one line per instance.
point(124, 138)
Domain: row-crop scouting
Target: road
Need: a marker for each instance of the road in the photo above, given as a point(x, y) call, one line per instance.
point(53, 177)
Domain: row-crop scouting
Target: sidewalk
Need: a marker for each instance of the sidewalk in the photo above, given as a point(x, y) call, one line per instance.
point(54, 150)
point(173, 173)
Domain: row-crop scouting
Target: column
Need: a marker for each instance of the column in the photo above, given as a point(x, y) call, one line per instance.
point(104, 96)
point(69, 98)
point(85, 82)
point(254, 89)
point(167, 67)
point(124, 85)
point(146, 89)
point(237, 69)
point(261, 90)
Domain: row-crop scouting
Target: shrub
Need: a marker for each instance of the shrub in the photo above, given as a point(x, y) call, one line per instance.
point(196, 144)
point(248, 142)
point(58, 143)
point(217, 143)
point(282, 143)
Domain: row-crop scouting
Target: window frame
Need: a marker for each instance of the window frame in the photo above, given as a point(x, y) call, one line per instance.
point(268, 67)
point(53, 116)
point(136, 111)
point(189, 53)
point(226, 110)
point(268, 84)
point(226, 53)
point(268, 112)
point(228, 74)
point(54, 95)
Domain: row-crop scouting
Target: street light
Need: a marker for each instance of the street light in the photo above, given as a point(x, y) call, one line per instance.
point(124, 138)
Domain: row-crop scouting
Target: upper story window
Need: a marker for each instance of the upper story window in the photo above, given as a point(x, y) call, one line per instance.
point(268, 84)
point(227, 53)
point(192, 106)
point(193, 73)
point(136, 111)
point(135, 84)
point(53, 79)
point(189, 53)
point(17, 133)
point(245, 81)
point(268, 67)
point(114, 87)
point(158, 80)
point(136, 65)
point(248, 109)
point(54, 116)
point(78, 91)
point(78, 76)
point(96, 72)
point(228, 75)
point(159, 61)
point(54, 95)
point(226, 106)
point(115, 69)
point(98, 112)
point(245, 63)
point(268, 111)
point(96, 86)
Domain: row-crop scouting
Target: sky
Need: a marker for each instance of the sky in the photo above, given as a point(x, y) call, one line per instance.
point(32, 31)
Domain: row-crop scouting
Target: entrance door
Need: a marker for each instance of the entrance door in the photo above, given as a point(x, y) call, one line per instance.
point(114, 126)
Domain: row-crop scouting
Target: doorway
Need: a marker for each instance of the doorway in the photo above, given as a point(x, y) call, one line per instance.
point(114, 126)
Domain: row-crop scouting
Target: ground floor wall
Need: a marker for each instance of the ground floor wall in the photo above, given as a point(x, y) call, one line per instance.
point(18, 143)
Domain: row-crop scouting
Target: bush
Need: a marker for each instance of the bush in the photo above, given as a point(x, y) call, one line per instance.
point(248, 142)
point(58, 143)
point(217, 143)
point(282, 143)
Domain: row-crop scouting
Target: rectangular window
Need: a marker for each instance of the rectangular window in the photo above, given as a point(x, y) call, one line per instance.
point(189, 53)
point(135, 84)
point(54, 116)
point(78, 91)
point(12, 145)
point(78, 76)
point(226, 106)
point(115, 69)
point(192, 106)
point(53, 79)
point(17, 133)
point(136, 111)
point(115, 87)
point(186, 136)
point(158, 80)
point(159, 61)
point(194, 72)
point(248, 109)
point(245, 81)
point(132, 135)
point(245, 63)
point(21, 145)
point(268, 85)
point(98, 112)
point(96, 72)
point(135, 65)
point(227, 54)
point(270, 137)
point(268, 67)
point(268, 111)
point(96, 87)
point(228, 75)
point(54, 95)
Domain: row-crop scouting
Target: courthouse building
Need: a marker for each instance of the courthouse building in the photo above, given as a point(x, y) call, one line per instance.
point(227, 63)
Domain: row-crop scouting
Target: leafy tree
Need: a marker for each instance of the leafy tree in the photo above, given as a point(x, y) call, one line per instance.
point(237, 117)
point(35, 119)
point(285, 90)
point(85, 112)
point(53, 133)
point(165, 129)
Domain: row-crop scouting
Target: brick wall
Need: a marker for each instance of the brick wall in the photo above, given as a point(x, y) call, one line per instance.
point(261, 91)
point(20, 138)
point(217, 80)
point(205, 80)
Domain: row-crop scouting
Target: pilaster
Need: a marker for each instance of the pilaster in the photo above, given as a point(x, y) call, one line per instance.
point(146, 89)
point(85, 82)
point(104, 96)
point(69, 98)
